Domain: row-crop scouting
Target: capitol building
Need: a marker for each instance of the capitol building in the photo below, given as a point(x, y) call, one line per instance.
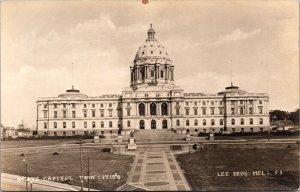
point(152, 101)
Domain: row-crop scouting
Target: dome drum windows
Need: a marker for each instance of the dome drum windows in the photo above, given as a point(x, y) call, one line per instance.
point(152, 109)
point(142, 109)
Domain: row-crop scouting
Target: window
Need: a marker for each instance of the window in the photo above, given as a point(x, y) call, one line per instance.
point(93, 114)
point(242, 121)
point(251, 121)
point(195, 111)
point(232, 111)
point(204, 122)
point(110, 124)
point(241, 111)
point(152, 73)
point(128, 112)
point(260, 102)
point(161, 74)
point(196, 122)
point(242, 130)
point(55, 114)
point(212, 111)
point(93, 105)
point(64, 125)
point(45, 106)
point(152, 109)
point(45, 125)
point(177, 111)
point(261, 121)
point(261, 129)
point(84, 105)
point(110, 104)
point(128, 123)
point(110, 113)
point(186, 103)
point(93, 124)
point(233, 129)
point(64, 105)
point(55, 105)
point(64, 114)
point(221, 111)
point(260, 110)
point(212, 122)
point(101, 113)
point(164, 109)
point(55, 134)
point(251, 129)
point(221, 102)
point(141, 109)
point(64, 133)
point(187, 111)
point(73, 124)
point(250, 110)
point(221, 121)
point(73, 132)
point(196, 130)
point(84, 113)
point(73, 114)
point(204, 111)
point(101, 105)
point(73, 105)
point(232, 122)
point(102, 124)
point(203, 103)
point(85, 124)
point(45, 133)
point(55, 125)
point(195, 103)
point(212, 103)
point(177, 122)
point(187, 122)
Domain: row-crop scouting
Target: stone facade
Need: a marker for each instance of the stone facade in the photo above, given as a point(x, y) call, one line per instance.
point(153, 101)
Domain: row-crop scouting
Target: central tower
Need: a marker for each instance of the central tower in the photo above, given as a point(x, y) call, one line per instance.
point(152, 65)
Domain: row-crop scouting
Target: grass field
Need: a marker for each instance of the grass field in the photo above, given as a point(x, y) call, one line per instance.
point(203, 167)
point(43, 163)
point(33, 143)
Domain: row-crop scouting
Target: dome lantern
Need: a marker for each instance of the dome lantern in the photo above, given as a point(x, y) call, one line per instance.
point(151, 34)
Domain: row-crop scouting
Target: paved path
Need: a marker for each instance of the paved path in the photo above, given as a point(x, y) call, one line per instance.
point(157, 170)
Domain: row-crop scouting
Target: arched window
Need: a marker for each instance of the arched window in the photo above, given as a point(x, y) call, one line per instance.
point(242, 121)
point(131, 76)
point(187, 122)
point(110, 124)
point(141, 109)
point(161, 74)
point(178, 122)
point(64, 124)
point(241, 110)
point(261, 121)
point(212, 122)
point(171, 75)
point(93, 124)
point(153, 124)
point(164, 109)
point(102, 124)
point(55, 125)
point(196, 122)
point(152, 109)
point(152, 72)
point(164, 124)
point(73, 124)
point(251, 121)
point(142, 74)
point(204, 122)
point(221, 121)
point(142, 124)
point(85, 124)
point(232, 122)
point(45, 125)
point(128, 123)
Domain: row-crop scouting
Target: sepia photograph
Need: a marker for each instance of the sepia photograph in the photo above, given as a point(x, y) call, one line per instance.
point(150, 95)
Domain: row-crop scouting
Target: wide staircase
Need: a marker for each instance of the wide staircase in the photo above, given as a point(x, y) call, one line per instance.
point(148, 135)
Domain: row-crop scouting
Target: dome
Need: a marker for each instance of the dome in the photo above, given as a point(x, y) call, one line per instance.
point(72, 93)
point(233, 90)
point(152, 51)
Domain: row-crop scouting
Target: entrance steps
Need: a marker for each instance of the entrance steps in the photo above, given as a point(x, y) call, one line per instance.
point(148, 135)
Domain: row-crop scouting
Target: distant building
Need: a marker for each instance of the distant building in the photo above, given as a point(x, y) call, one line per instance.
point(7, 132)
point(153, 101)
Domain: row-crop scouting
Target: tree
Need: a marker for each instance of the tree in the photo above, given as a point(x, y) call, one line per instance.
point(294, 116)
point(278, 115)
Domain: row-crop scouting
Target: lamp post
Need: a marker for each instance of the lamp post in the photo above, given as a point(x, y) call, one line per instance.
point(81, 164)
point(25, 170)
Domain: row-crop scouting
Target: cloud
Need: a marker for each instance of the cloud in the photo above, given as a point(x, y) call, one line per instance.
point(236, 35)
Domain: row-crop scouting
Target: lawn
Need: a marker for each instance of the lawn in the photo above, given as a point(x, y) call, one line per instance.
point(42, 163)
point(33, 143)
point(203, 167)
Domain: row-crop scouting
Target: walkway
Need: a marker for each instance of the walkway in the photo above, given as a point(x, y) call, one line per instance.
point(157, 169)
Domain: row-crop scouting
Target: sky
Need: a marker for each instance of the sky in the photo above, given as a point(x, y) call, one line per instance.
point(41, 39)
